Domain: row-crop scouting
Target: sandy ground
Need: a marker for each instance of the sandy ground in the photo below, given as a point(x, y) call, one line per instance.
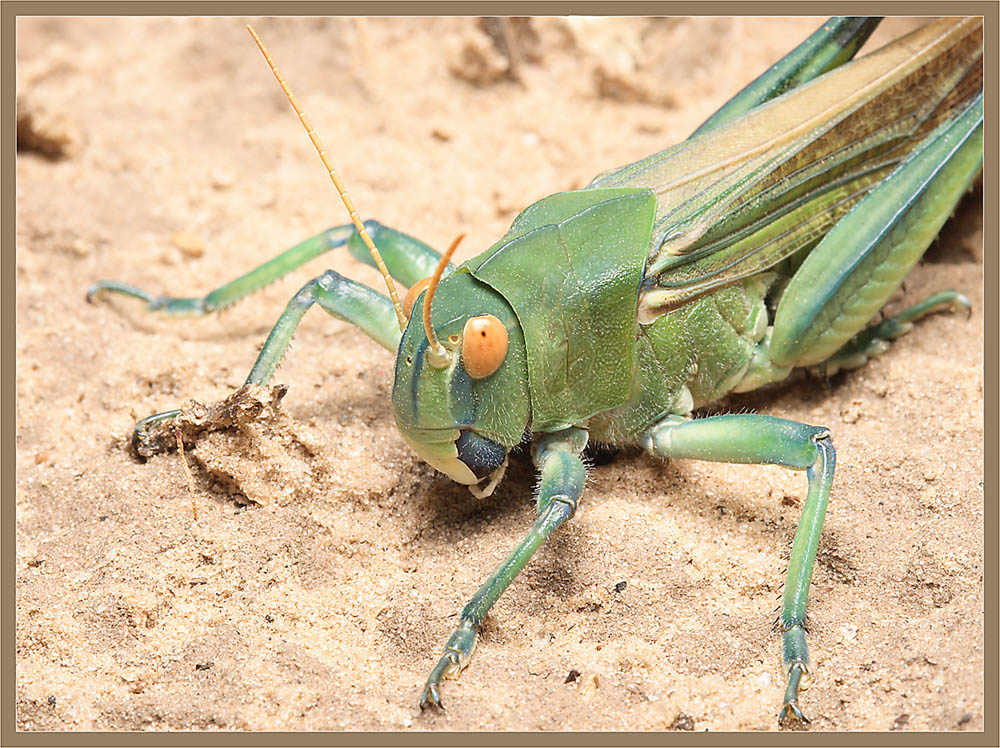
point(313, 579)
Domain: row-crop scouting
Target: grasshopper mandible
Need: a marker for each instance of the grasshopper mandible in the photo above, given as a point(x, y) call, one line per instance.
point(764, 243)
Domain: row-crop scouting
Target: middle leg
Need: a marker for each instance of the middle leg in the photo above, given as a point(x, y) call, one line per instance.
point(760, 439)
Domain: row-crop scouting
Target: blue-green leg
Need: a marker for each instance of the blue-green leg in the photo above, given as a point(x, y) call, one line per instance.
point(343, 298)
point(848, 277)
point(407, 259)
point(874, 340)
point(562, 477)
point(759, 439)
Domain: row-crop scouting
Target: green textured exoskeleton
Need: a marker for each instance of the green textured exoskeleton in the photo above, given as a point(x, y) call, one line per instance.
point(765, 242)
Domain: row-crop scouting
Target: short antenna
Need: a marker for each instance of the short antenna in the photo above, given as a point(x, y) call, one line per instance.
point(318, 145)
point(437, 356)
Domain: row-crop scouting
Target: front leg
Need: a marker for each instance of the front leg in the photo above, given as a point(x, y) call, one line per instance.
point(759, 439)
point(341, 297)
point(557, 457)
point(407, 258)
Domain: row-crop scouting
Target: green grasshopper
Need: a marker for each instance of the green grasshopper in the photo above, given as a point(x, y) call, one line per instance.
point(764, 243)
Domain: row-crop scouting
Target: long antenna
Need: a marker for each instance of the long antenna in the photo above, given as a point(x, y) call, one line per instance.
point(437, 356)
point(318, 145)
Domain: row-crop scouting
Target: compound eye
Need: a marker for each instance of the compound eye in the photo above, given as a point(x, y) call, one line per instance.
point(484, 345)
point(412, 294)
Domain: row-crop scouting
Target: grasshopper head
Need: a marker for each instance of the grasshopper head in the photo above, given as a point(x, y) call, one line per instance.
point(458, 418)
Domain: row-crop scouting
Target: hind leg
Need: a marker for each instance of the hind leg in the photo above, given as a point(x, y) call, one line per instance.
point(848, 277)
point(874, 340)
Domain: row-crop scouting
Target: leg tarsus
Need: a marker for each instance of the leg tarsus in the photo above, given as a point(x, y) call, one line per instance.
point(140, 432)
point(790, 709)
point(431, 697)
point(406, 257)
point(874, 340)
point(562, 479)
point(796, 657)
point(243, 286)
point(457, 653)
point(759, 439)
point(158, 433)
point(172, 305)
point(343, 298)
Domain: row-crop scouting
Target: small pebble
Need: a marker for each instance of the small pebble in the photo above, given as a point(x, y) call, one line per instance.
point(80, 247)
point(190, 244)
point(682, 722)
point(222, 180)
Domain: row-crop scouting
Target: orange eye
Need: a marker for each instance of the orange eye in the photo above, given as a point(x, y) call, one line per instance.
point(484, 345)
point(412, 294)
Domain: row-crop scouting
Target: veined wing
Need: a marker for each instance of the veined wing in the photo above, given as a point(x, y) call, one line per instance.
point(743, 197)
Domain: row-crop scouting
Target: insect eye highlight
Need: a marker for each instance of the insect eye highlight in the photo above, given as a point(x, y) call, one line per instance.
point(484, 345)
